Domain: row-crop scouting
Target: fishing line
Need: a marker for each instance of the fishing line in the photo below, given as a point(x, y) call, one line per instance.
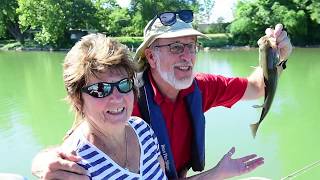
point(303, 170)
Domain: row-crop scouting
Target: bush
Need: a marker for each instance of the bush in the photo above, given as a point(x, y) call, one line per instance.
point(216, 40)
point(216, 28)
point(131, 42)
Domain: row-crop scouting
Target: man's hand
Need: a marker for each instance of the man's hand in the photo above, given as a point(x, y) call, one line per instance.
point(282, 40)
point(228, 167)
point(53, 164)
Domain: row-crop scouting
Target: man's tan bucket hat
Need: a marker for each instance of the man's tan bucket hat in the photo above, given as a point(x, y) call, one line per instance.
point(157, 31)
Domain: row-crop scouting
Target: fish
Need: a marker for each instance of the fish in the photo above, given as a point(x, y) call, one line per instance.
point(268, 61)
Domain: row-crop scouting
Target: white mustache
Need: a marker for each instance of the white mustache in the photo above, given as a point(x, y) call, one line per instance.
point(183, 64)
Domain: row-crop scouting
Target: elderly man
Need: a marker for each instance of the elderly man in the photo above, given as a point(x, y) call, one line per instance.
point(173, 100)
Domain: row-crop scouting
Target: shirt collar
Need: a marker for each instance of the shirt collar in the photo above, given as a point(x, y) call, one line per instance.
point(159, 97)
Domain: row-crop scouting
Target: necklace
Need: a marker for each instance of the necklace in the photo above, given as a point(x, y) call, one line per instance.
point(125, 137)
point(126, 146)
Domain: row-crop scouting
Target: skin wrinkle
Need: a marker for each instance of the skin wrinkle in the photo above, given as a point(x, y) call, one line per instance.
point(169, 77)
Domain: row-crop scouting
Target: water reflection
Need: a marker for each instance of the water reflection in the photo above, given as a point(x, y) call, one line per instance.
point(288, 134)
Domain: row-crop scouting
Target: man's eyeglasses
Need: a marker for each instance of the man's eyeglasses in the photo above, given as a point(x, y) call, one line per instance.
point(169, 18)
point(103, 89)
point(178, 48)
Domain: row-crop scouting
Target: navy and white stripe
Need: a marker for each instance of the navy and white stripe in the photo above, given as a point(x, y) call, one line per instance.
point(101, 166)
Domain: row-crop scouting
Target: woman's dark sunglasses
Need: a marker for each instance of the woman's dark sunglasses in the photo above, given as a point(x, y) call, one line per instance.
point(169, 18)
point(103, 89)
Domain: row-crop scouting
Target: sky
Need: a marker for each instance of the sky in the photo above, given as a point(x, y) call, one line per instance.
point(222, 8)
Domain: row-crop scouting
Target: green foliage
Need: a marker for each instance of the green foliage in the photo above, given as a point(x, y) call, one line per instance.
point(119, 22)
point(215, 40)
point(314, 9)
point(104, 10)
point(44, 15)
point(216, 28)
point(137, 27)
point(2, 29)
point(253, 17)
point(9, 20)
point(80, 14)
point(131, 42)
point(144, 10)
point(54, 18)
point(7, 13)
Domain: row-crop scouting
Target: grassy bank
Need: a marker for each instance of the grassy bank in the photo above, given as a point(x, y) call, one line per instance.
point(213, 41)
point(216, 40)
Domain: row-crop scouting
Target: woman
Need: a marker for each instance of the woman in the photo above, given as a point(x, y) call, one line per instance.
point(98, 76)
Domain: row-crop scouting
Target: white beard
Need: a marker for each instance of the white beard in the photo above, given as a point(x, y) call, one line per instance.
point(169, 77)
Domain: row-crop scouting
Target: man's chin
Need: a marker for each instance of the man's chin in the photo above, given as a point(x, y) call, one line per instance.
point(183, 75)
point(182, 84)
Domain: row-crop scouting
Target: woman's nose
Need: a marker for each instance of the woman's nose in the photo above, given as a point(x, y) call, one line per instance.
point(115, 94)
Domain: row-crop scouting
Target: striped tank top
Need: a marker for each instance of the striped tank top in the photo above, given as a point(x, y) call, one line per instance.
point(100, 166)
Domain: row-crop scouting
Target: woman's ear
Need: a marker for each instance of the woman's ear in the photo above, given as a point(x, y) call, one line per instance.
point(78, 104)
point(150, 57)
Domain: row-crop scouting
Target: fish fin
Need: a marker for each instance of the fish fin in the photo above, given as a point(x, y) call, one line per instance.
point(255, 67)
point(258, 106)
point(254, 129)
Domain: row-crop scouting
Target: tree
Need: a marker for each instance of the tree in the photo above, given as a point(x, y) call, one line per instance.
point(205, 11)
point(81, 14)
point(119, 22)
point(142, 11)
point(253, 17)
point(314, 8)
point(53, 18)
point(9, 20)
point(111, 17)
point(45, 16)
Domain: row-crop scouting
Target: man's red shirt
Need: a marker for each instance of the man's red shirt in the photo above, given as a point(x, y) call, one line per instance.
point(216, 91)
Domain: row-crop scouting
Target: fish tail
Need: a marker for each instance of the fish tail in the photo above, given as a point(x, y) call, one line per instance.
point(254, 129)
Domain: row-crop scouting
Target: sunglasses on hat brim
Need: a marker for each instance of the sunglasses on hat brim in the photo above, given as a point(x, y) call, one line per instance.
point(169, 18)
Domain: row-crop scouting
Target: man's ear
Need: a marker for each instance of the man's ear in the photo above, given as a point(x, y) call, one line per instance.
point(150, 57)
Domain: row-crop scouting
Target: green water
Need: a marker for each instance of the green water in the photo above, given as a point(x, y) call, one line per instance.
point(33, 114)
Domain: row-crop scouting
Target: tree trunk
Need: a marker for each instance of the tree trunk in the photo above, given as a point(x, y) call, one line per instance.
point(15, 31)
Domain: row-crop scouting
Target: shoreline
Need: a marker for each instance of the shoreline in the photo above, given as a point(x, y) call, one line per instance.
point(205, 49)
